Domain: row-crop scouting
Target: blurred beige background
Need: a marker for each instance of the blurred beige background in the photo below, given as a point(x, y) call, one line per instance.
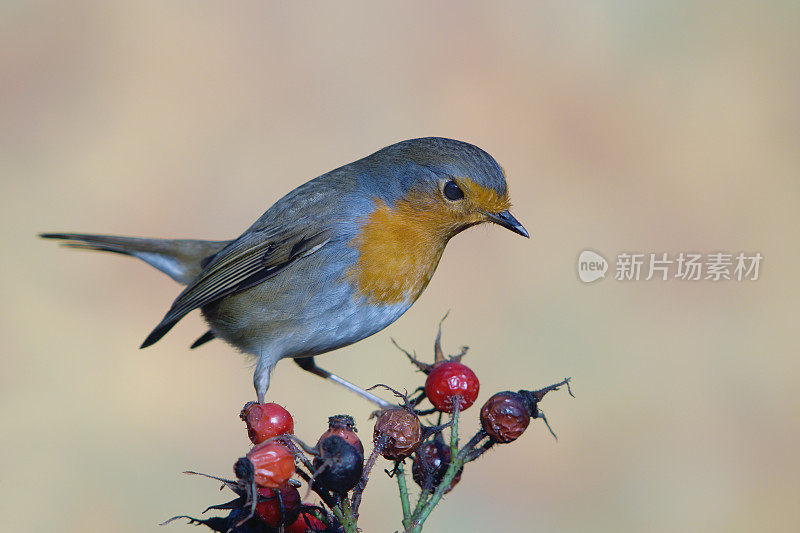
point(623, 126)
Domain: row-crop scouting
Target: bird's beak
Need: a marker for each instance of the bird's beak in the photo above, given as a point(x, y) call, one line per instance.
point(507, 220)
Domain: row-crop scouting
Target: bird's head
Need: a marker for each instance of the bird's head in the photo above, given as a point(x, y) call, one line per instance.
point(443, 186)
point(422, 192)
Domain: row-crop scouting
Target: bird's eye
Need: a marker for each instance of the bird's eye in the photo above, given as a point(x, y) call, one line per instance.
point(452, 191)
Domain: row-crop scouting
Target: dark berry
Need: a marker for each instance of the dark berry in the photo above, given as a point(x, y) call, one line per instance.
point(266, 420)
point(344, 426)
point(505, 416)
point(398, 433)
point(449, 383)
point(430, 465)
point(339, 465)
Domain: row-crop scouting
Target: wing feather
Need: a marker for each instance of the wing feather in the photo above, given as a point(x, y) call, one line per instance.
point(246, 262)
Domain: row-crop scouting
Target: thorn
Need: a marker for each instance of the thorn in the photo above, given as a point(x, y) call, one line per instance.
point(413, 358)
point(461, 354)
point(406, 404)
point(233, 504)
point(438, 354)
point(540, 414)
point(233, 485)
point(539, 394)
point(189, 518)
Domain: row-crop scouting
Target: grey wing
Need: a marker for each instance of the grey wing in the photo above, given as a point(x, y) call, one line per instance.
point(252, 259)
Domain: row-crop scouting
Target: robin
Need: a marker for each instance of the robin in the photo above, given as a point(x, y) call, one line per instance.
point(334, 261)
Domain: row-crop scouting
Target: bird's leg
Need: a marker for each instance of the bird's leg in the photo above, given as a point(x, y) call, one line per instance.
point(308, 364)
point(264, 368)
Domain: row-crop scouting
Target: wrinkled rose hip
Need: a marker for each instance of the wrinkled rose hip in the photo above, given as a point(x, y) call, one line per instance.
point(505, 416)
point(431, 462)
point(397, 433)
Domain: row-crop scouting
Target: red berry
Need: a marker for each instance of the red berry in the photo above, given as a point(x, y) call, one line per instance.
point(273, 464)
point(266, 420)
point(306, 523)
point(505, 416)
point(278, 506)
point(398, 433)
point(343, 426)
point(450, 382)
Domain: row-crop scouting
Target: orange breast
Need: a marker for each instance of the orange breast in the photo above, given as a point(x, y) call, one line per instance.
point(400, 246)
point(399, 250)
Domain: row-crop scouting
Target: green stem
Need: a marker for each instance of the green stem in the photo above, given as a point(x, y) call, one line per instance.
point(454, 431)
point(337, 512)
point(456, 463)
point(421, 501)
point(345, 516)
point(400, 474)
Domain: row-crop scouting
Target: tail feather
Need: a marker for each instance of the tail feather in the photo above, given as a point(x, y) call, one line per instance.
point(204, 338)
point(180, 259)
point(160, 330)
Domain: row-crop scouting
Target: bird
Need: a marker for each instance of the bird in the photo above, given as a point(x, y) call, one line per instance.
point(334, 261)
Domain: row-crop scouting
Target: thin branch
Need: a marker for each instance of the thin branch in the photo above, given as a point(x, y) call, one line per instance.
point(456, 464)
point(362, 484)
point(401, 485)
